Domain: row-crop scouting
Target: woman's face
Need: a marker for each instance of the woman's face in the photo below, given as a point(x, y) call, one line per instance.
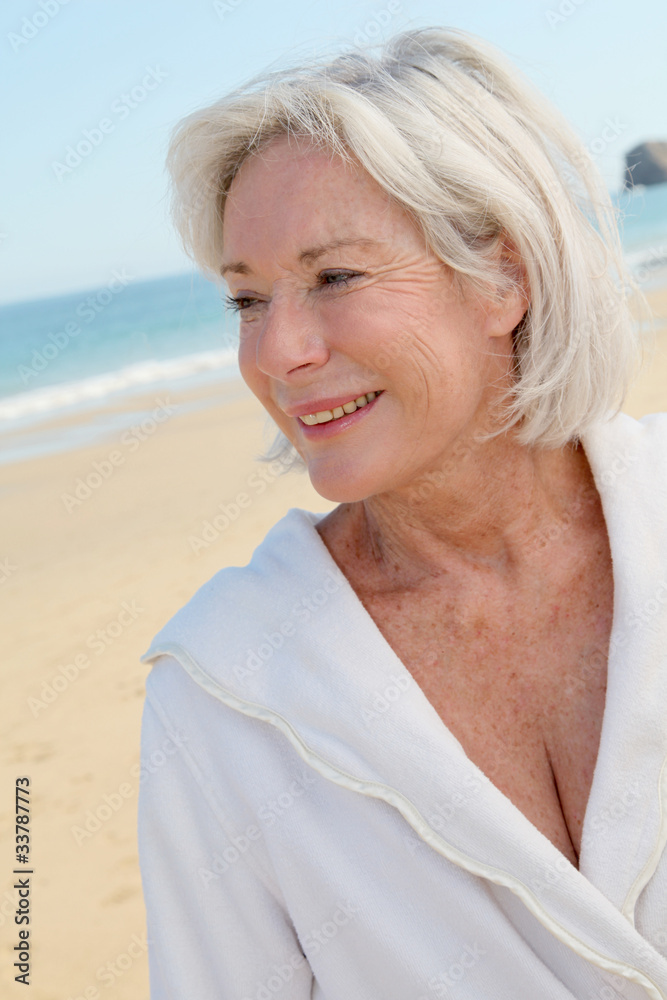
point(340, 297)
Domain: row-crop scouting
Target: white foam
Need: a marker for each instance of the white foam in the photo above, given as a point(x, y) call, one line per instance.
point(40, 402)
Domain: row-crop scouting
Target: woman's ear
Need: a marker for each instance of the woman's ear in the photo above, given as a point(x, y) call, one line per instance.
point(510, 306)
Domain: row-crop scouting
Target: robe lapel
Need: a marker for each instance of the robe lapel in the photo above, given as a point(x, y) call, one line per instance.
point(625, 828)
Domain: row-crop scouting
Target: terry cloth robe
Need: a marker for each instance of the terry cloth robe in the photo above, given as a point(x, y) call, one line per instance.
point(309, 827)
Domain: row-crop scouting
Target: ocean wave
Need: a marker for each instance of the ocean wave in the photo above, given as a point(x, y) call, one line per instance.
point(97, 388)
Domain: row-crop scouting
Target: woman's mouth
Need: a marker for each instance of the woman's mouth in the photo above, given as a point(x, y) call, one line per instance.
point(326, 423)
point(326, 416)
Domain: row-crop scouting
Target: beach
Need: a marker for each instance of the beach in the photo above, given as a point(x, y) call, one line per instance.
point(86, 584)
point(101, 545)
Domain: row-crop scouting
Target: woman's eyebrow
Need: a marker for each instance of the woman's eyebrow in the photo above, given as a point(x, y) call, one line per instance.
point(313, 253)
point(307, 256)
point(237, 267)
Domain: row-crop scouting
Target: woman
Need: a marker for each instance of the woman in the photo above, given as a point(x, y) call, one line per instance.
point(394, 770)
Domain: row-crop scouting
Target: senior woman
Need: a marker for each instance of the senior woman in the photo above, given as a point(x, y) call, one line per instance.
point(416, 748)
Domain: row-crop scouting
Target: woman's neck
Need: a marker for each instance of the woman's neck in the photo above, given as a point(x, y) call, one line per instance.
point(484, 509)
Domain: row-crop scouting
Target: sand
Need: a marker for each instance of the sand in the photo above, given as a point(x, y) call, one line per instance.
point(86, 582)
point(89, 584)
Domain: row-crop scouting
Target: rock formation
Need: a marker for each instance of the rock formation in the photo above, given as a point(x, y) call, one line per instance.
point(646, 164)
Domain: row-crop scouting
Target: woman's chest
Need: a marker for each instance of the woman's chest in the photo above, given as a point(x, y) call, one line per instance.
point(522, 688)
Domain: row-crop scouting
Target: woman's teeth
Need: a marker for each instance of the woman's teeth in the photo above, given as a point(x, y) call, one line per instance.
point(338, 411)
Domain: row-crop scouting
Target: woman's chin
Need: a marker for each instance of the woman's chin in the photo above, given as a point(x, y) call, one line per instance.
point(341, 482)
point(338, 492)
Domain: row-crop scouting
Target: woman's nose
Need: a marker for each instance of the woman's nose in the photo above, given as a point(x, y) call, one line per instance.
point(290, 340)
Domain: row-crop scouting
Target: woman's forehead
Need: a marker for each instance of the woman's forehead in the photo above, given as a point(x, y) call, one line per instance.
point(295, 170)
point(303, 197)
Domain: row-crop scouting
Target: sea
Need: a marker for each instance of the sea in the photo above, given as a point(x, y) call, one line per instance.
point(73, 367)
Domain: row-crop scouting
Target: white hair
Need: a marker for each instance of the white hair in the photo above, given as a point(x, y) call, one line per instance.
point(461, 141)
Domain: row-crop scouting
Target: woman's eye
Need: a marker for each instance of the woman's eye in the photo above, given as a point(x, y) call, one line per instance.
point(240, 303)
point(338, 277)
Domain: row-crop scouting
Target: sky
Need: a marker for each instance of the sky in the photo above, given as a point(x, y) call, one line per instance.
point(118, 75)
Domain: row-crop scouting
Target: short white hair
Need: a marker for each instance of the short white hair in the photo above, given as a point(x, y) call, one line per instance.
point(461, 141)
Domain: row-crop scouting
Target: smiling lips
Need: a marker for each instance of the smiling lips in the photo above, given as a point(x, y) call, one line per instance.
point(324, 416)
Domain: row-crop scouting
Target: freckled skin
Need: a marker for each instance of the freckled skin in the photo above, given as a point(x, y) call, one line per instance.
point(480, 563)
point(513, 669)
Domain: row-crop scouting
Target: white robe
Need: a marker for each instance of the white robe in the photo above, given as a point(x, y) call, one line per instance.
point(309, 827)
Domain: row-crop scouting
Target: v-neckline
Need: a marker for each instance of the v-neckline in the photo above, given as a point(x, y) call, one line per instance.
point(388, 652)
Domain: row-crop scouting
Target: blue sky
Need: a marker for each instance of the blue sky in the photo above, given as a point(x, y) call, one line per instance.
point(68, 67)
